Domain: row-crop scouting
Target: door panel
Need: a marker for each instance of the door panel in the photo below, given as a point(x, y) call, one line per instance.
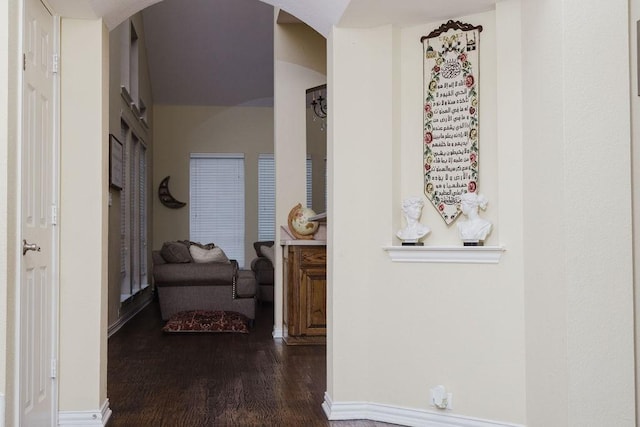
point(37, 320)
point(314, 286)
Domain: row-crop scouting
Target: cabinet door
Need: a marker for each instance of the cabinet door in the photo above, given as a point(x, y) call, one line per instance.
point(314, 303)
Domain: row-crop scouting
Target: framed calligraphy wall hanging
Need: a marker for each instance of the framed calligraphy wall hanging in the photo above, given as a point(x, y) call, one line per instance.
point(451, 135)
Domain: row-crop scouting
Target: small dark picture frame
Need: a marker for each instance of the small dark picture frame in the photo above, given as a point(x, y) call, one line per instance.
point(116, 157)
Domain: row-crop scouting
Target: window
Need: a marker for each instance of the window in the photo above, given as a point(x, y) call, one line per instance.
point(129, 64)
point(133, 215)
point(141, 215)
point(125, 260)
point(133, 64)
point(143, 114)
point(217, 202)
point(266, 197)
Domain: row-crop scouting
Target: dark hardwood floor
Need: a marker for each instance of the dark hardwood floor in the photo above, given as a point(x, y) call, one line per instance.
point(158, 379)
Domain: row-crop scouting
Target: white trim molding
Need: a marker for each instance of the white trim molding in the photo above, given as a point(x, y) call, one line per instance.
point(124, 319)
point(99, 417)
point(3, 403)
point(402, 416)
point(446, 254)
point(277, 333)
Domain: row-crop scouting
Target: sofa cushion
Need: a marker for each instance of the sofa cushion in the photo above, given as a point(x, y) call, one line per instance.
point(263, 270)
point(194, 274)
point(258, 245)
point(175, 253)
point(202, 255)
point(270, 253)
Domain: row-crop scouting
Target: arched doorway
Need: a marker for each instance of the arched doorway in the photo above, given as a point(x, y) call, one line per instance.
point(300, 91)
point(88, 105)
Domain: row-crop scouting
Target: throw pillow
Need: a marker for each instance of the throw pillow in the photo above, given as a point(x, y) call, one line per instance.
point(175, 252)
point(270, 253)
point(200, 245)
point(208, 255)
point(258, 246)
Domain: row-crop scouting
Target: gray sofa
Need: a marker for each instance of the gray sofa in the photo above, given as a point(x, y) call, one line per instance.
point(183, 284)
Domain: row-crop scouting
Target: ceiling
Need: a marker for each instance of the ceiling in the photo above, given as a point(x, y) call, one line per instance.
point(404, 13)
point(210, 52)
point(220, 52)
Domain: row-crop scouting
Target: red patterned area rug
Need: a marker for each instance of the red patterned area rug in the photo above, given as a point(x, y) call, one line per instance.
point(207, 321)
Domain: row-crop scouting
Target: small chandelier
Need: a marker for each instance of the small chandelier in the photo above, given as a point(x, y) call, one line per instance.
point(319, 106)
point(317, 99)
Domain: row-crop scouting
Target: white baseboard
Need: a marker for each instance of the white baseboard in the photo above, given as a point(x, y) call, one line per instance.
point(123, 320)
point(277, 333)
point(98, 417)
point(402, 416)
point(3, 403)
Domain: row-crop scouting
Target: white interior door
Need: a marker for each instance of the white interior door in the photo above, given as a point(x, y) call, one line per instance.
point(38, 328)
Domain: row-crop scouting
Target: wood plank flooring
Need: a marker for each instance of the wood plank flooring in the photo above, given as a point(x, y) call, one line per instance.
point(174, 380)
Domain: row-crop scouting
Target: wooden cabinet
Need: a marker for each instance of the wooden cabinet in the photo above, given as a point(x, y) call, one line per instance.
point(305, 292)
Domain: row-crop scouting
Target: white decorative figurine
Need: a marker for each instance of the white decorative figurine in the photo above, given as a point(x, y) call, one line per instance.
point(474, 230)
point(414, 231)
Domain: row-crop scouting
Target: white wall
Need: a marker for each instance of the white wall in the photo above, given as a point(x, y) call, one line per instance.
point(83, 215)
point(300, 64)
point(577, 222)
point(571, 278)
point(181, 130)
point(409, 327)
point(525, 340)
point(544, 234)
point(634, 16)
point(359, 152)
point(4, 227)
point(119, 109)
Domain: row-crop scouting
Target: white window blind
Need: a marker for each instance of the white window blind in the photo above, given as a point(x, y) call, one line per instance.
point(133, 215)
point(134, 244)
point(309, 182)
point(266, 197)
point(124, 209)
point(217, 202)
point(126, 275)
point(142, 214)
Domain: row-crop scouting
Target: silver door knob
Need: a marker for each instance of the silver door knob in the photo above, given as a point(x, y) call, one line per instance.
point(29, 247)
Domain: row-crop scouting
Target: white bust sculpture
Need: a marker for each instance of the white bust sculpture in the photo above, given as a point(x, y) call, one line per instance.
point(474, 229)
point(414, 231)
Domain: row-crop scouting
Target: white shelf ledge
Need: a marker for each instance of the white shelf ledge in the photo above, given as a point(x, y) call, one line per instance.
point(446, 254)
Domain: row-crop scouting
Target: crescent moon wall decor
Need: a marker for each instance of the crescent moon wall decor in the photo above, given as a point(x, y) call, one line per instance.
point(165, 195)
